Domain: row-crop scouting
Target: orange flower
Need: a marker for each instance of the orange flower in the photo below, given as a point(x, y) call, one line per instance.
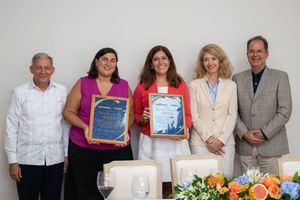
point(220, 179)
point(233, 196)
point(222, 190)
point(270, 181)
point(286, 178)
point(234, 187)
point(274, 191)
point(212, 181)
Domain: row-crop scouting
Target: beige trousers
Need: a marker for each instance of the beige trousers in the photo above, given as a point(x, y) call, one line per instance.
point(266, 164)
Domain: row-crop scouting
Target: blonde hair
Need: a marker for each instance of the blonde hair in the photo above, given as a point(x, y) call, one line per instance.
point(225, 68)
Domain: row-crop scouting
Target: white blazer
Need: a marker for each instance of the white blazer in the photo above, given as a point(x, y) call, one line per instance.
point(210, 119)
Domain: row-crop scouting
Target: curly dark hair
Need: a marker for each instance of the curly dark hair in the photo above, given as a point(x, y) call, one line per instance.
point(93, 72)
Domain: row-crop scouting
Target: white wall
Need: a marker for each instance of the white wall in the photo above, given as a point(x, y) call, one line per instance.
point(72, 31)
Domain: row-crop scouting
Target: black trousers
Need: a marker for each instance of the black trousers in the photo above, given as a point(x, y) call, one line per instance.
point(45, 181)
point(84, 164)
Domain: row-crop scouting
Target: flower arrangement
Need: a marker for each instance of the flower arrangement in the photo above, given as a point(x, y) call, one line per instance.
point(252, 185)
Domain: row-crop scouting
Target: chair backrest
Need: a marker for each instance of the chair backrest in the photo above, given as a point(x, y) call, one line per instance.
point(204, 164)
point(124, 172)
point(288, 165)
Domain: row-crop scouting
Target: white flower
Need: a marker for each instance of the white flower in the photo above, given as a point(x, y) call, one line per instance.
point(205, 196)
point(254, 175)
point(201, 184)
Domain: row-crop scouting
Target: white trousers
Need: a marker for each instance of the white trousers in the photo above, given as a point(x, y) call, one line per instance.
point(227, 158)
point(161, 150)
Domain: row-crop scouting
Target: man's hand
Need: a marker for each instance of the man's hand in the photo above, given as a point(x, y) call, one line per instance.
point(252, 139)
point(15, 172)
point(258, 134)
point(66, 163)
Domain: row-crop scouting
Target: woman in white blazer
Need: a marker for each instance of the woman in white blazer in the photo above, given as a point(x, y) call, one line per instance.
point(214, 107)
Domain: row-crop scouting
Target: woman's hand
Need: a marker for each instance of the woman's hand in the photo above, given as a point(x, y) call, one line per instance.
point(86, 135)
point(215, 146)
point(145, 116)
point(123, 145)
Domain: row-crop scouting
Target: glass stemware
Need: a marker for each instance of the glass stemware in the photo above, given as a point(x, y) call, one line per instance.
point(187, 174)
point(140, 186)
point(105, 183)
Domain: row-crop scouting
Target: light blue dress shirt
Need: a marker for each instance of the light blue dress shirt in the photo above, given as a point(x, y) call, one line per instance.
point(212, 90)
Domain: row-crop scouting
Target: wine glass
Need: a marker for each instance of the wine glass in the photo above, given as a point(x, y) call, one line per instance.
point(140, 186)
point(105, 183)
point(213, 171)
point(187, 174)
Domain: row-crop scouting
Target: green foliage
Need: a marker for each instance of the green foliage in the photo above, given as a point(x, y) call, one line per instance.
point(219, 187)
point(297, 178)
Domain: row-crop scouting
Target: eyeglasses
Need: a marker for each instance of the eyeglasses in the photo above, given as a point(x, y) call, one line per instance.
point(253, 52)
point(40, 68)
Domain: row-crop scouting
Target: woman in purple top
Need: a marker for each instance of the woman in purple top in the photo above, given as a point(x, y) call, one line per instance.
point(85, 160)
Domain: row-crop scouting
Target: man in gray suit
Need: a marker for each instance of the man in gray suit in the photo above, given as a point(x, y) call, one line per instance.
point(264, 107)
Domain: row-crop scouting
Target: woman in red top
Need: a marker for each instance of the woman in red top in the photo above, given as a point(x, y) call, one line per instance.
point(159, 76)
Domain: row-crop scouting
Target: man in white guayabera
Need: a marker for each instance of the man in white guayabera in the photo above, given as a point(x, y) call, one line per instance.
point(36, 137)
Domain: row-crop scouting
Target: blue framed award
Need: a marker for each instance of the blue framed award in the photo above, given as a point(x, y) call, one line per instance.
point(167, 116)
point(109, 120)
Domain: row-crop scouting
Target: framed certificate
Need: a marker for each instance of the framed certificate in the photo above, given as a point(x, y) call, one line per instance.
point(108, 120)
point(167, 118)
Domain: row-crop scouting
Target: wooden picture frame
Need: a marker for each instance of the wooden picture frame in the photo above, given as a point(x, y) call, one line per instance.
point(167, 116)
point(108, 120)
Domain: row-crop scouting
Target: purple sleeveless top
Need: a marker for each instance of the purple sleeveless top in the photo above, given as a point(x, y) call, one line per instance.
point(89, 87)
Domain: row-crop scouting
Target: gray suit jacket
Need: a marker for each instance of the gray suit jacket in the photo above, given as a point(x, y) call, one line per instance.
point(269, 110)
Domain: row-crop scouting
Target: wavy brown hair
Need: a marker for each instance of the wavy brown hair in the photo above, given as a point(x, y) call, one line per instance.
point(148, 75)
point(93, 72)
point(225, 67)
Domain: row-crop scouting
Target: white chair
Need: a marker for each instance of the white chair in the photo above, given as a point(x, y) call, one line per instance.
point(204, 164)
point(288, 165)
point(124, 172)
